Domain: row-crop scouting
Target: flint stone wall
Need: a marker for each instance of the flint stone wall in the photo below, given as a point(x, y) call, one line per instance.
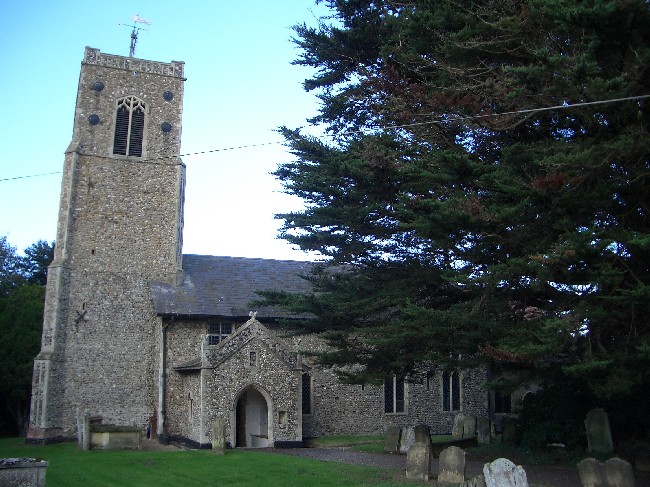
point(119, 227)
point(272, 375)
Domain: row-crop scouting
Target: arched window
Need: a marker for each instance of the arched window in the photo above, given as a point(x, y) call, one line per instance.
point(129, 126)
point(451, 390)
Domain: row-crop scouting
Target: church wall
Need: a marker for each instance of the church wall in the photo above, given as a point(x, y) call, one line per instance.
point(119, 228)
point(337, 409)
point(340, 409)
point(271, 374)
point(183, 389)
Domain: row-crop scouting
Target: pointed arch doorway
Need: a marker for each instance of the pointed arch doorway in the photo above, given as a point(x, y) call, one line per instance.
point(252, 419)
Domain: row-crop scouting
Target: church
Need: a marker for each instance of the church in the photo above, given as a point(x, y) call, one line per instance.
point(137, 334)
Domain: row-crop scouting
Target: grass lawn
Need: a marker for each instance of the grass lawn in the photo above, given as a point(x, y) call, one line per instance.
point(70, 467)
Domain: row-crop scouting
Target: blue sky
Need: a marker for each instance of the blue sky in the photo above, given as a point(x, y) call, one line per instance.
point(240, 87)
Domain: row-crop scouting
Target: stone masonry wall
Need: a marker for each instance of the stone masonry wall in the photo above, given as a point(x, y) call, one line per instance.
point(272, 376)
point(227, 374)
point(120, 227)
point(183, 389)
point(336, 408)
point(339, 409)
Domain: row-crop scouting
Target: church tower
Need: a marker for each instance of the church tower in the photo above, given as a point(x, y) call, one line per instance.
point(119, 229)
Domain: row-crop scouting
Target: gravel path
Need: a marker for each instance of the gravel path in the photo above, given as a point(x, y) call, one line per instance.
point(538, 475)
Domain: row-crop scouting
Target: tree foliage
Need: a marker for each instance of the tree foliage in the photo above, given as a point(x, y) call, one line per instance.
point(484, 192)
point(22, 296)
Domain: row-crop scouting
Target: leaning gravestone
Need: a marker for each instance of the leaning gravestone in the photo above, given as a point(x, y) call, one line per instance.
point(469, 426)
point(407, 439)
point(451, 466)
point(599, 436)
point(509, 431)
point(503, 473)
point(457, 429)
point(483, 430)
point(219, 436)
point(418, 462)
point(613, 473)
point(422, 433)
point(391, 439)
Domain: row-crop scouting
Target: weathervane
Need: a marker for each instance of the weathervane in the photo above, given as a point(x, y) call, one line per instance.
point(134, 33)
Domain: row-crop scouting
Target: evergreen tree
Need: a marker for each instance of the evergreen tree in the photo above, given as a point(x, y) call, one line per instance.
point(38, 257)
point(484, 193)
point(22, 299)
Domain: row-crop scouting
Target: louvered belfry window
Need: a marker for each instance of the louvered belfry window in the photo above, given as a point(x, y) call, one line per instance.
point(129, 127)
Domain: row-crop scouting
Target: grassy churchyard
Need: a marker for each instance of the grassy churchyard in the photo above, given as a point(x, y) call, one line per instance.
point(70, 467)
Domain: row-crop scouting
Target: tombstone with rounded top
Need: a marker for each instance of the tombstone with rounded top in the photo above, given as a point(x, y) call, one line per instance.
point(503, 473)
point(451, 466)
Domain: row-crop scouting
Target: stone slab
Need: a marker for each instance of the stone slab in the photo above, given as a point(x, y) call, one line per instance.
point(599, 436)
point(503, 473)
point(392, 439)
point(451, 466)
point(418, 462)
point(407, 439)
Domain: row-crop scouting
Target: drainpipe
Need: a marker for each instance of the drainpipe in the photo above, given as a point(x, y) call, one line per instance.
point(162, 382)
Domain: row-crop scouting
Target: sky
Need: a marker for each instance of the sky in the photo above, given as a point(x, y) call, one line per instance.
point(240, 87)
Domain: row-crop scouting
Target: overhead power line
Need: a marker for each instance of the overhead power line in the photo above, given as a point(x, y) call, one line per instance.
point(436, 120)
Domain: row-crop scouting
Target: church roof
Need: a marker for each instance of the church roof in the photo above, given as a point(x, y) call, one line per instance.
point(224, 286)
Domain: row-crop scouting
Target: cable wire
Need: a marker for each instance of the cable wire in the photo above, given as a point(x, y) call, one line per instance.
point(387, 127)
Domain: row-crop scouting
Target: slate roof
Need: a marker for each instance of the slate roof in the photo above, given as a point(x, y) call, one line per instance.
point(224, 286)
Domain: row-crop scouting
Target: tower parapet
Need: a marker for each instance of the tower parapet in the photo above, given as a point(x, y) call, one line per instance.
point(98, 58)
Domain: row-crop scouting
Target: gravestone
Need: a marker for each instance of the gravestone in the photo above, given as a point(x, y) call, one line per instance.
point(218, 436)
point(422, 434)
point(477, 481)
point(613, 473)
point(407, 439)
point(451, 466)
point(469, 426)
point(619, 473)
point(599, 436)
point(503, 473)
point(457, 428)
point(483, 430)
point(418, 462)
point(591, 473)
point(391, 439)
point(509, 431)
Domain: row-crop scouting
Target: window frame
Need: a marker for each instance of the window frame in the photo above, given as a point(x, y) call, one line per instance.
point(395, 395)
point(132, 142)
point(502, 402)
point(215, 338)
point(452, 391)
